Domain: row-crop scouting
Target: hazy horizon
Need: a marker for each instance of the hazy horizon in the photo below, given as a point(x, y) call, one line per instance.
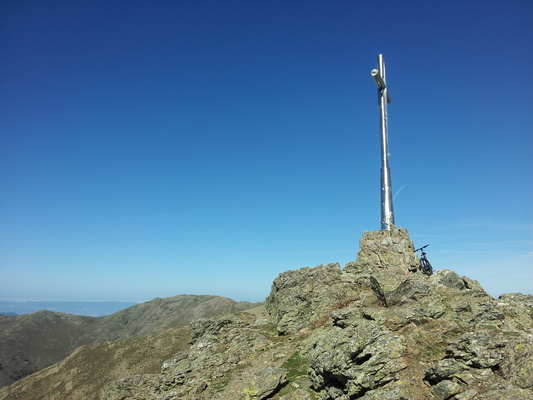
point(84, 308)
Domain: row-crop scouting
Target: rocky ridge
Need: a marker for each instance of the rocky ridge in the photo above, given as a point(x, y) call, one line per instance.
point(375, 329)
point(31, 342)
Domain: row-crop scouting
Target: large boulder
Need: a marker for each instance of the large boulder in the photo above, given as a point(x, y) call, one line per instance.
point(265, 383)
point(485, 365)
point(352, 361)
point(390, 250)
point(300, 298)
point(517, 309)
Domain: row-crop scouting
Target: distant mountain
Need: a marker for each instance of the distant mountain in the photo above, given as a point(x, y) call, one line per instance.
point(31, 342)
point(86, 308)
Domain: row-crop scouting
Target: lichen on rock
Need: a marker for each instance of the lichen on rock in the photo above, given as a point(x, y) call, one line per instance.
point(299, 298)
point(386, 249)
point(354, 360)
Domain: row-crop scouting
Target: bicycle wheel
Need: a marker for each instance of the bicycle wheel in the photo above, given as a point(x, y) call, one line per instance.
point(426, 267)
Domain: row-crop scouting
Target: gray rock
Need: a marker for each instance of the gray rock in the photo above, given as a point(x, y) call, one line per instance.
point(391, 391)
point(517, 364)
point(517, 309)
point(417, 293)
point(266, 382)
point(445, 368)
point(385, 249)
point(444, 390)
point(299, 298)
point(354, 360)
point(298, 394)
point(483, 365)
point(205, 326)
point(450, 279)
point(481, 349)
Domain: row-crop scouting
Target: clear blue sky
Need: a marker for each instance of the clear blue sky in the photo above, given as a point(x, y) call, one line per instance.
point(156, 148)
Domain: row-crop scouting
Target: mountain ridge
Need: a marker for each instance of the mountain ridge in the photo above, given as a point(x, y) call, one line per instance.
point(31, 342)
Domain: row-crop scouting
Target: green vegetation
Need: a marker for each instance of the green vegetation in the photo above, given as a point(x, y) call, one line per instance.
point(296, 366)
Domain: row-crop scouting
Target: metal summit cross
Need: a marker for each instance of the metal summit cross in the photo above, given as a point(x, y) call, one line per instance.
point(387, 212)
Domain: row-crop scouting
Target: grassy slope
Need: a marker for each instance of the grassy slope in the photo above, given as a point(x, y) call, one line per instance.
point(82, 374)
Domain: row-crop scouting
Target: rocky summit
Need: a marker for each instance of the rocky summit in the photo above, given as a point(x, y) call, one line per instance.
point(378, 328)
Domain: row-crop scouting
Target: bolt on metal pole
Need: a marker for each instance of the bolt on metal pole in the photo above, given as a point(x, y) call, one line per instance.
point(387, 212)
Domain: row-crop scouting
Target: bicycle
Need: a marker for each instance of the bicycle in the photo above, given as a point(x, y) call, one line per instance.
point(425, 266)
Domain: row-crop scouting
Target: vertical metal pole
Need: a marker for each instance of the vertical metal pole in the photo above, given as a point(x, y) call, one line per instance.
point(387, 212)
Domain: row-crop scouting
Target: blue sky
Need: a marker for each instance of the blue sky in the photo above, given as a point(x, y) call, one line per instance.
point(156, 148)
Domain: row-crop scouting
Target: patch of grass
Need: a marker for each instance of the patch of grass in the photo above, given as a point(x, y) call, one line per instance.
point(296, 366)
point(248, 317)
point(269, 330)
point(436, 349)
point(510, 334)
